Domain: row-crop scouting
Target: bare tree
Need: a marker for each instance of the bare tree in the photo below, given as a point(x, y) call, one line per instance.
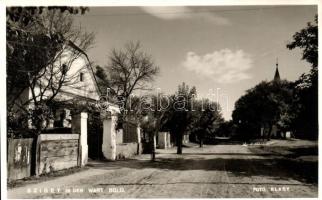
point(129, 69)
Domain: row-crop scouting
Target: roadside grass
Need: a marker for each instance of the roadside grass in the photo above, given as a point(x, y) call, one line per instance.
point(298, 156)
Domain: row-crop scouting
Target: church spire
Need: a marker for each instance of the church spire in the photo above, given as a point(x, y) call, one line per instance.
point(277, 74)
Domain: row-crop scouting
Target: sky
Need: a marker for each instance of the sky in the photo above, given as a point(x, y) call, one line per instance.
point(221, 50)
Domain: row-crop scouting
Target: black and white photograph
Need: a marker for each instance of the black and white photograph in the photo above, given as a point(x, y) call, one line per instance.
point(160, 101)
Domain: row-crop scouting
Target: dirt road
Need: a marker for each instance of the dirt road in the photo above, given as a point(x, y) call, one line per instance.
point(212, 171)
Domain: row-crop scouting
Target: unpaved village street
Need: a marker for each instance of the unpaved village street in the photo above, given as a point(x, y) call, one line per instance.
point(212, 171)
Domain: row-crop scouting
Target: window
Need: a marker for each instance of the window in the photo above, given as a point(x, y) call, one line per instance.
point(81, 77)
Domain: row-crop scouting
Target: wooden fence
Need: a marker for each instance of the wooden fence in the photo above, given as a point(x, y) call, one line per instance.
point(57, 152)
point(53, 152)
point(19, 161)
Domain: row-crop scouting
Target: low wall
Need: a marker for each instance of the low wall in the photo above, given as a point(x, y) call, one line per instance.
point(128, 150)
point(57, 152)
point(19, 158)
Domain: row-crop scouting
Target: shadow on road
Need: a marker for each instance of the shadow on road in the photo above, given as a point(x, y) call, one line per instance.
point(213, 183)
point(274, 167)
point(232, 154)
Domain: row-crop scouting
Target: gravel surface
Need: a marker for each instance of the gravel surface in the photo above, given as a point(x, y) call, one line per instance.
point(210, 172)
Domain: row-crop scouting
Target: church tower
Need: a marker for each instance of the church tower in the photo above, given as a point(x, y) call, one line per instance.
point(277, 74)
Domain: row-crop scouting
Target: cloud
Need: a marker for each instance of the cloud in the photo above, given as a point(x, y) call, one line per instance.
point(223, 66)
point(184, 12)
point(167, 13)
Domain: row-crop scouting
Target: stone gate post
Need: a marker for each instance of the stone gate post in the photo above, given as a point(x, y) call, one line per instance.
point(138, 132)
point(79, 126)
point(109, 136)
point(162, 140)
point(168, 140)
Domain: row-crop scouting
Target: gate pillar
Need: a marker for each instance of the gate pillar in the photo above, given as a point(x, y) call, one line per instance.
point(79, 126)
point(109, 136)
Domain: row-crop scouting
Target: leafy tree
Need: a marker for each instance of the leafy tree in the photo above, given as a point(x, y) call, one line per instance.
point(226, 129)
point(159, 113)
point(206, 117)
point(265, 105)
point(152, 112)
point(179, 114)
point(307, 40)
point(306, 88)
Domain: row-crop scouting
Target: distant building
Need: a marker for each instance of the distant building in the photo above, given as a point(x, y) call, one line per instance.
point(277, 74)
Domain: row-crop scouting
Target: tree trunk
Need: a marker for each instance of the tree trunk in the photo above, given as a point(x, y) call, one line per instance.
point(179, 143)
point(200, 139)
point(34, 152)
point(153, 155)
point(201, 142)
point(269, 133)
point(152, 144)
